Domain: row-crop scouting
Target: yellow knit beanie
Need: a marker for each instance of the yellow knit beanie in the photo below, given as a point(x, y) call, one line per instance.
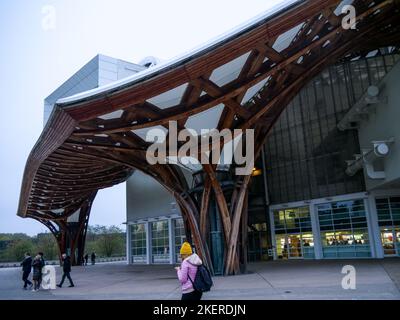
point(186, 249)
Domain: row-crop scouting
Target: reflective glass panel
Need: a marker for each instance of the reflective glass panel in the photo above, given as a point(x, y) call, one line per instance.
point(343, 229)
point(160, 242)
point(138, 243)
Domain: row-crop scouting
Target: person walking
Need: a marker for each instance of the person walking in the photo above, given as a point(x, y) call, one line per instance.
point(187, 273)
point(37, 272)
point(86, 259)
point(93, 258)
point(26, 265)
point(66, 271)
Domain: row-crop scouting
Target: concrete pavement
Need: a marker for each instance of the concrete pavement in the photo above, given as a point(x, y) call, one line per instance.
point(375, 279)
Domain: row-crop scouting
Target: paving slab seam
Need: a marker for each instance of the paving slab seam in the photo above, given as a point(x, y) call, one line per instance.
point(395, 282)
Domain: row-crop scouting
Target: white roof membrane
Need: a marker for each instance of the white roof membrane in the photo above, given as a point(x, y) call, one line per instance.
point(205, 120)
point(229, 71)
point(284, 40)
point(152, 132)
point(253, 90)
point(112, 115)
point(170, 98)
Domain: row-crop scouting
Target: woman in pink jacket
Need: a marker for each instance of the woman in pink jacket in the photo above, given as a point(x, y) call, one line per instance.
point(187, 272)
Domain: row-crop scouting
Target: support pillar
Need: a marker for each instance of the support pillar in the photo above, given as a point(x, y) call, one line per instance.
point(216, 241)
point(70, 232)
point(148, 243)
point(171, 239)
point(318, 252)
point(211, 218)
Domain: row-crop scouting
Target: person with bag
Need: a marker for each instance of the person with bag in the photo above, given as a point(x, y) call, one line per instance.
point(37, 272)
point(192, 274)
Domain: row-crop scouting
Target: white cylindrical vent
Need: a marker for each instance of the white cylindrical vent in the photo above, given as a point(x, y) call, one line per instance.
point(381, 149)
point(149, 61)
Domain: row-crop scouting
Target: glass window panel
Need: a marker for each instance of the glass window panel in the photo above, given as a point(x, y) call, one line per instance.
point(388, 210)
point(281, 246)
point(294, 239)
point(160, 242)
point(347, 234)
point(180, 237)
point(138, 243)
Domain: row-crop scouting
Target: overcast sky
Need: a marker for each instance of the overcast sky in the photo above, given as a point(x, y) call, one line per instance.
point(38, 54)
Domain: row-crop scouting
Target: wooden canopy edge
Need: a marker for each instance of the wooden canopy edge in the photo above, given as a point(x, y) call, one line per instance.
point(57, 130)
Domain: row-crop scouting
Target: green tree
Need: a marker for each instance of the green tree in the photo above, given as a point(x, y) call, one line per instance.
point(48, 245)
point(14, 236)
point(17, 249)
point(109, 241)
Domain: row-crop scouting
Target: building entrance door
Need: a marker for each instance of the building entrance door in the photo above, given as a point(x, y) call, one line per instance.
point(292, 246)
point(293, 233)
point(388, 239)
point(295, 246)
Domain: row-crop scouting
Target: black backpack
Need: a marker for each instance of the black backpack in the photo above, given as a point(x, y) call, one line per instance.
point(203, 281)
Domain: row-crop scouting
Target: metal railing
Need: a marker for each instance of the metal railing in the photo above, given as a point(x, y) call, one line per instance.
point(57, 262)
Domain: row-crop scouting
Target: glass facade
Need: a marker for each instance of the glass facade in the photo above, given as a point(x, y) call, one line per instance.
point(258, 224)
point(179, 236)
point(160, 242)
point(305, 158)
point(344, 229)
point(293, 233)
point(138, 243)
point(257, 242)
point(305, 154)
point(341, 232)
point(388, 210)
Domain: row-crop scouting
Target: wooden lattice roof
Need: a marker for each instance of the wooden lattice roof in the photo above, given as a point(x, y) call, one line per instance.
point(243, 80)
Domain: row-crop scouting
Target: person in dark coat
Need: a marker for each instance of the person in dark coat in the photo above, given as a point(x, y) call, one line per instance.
point(86, 259)
point(37, 272)
point(43, 263)
point(66, 271)
point(93, 257)
point(26, 265)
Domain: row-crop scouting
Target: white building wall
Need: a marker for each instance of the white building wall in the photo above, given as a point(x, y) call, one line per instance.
point(99, 71)
point(146, 198)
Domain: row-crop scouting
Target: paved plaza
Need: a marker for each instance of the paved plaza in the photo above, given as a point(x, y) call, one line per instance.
point(282, 280)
